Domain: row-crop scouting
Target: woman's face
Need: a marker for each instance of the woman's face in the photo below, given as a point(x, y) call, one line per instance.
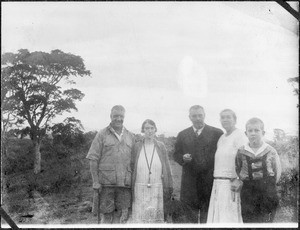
point(227, 120)
point(149, 131)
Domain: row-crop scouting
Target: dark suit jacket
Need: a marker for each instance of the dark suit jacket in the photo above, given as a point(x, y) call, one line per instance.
point(197, 176)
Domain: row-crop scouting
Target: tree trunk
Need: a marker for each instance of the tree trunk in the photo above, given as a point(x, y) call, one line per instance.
point(37, 154)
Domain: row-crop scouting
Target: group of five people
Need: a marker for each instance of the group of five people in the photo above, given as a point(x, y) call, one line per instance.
point(225, 177)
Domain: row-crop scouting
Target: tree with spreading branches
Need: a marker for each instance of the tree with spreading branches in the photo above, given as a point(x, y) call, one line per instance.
point(32, 83)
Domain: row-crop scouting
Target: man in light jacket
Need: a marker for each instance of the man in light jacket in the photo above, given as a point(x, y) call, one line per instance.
point(110, 155)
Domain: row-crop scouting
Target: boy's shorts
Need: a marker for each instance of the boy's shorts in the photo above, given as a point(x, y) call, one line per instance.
point(259, 200)
point(114, 198)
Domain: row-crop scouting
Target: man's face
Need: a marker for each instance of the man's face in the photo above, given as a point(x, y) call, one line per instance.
point(197, 118)
point(227, 120)
point(117, 118)
point(254, 133)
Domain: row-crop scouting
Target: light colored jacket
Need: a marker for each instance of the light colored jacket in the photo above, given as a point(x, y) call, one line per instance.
point(113, 157)
point(265, 164)
point(166, 169)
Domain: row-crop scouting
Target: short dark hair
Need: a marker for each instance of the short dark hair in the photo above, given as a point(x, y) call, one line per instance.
point(255, 120)
point(150, 122)
point(117, 108)
point(195, 107)
point(231, 111)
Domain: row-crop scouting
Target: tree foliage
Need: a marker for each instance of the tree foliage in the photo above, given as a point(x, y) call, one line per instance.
point(32, 83)
point(69, 132)
point(295, 83)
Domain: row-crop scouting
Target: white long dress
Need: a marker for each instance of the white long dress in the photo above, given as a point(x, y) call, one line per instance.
point(225, 205)
point(147, 205)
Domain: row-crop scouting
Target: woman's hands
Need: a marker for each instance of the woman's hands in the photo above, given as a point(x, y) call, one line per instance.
point(236, 185)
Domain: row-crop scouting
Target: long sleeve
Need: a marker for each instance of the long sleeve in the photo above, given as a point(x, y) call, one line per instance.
point(133, 156)
point(95, 150)
point(178, 153)
point(238, 164)
point(273, 164)
point(94, 170)
point(168, 169)
point(94, 155)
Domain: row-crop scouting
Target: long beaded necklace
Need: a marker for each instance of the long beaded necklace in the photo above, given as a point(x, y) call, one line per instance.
point(149, 166)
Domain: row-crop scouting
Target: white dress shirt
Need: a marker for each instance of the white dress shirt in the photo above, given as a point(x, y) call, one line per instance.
point(199, 131)
point(117, 135)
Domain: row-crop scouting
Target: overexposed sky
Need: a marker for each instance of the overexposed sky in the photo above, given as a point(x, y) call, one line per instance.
point(159, 58)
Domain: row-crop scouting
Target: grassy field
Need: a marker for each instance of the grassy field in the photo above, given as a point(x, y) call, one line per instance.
point(62, 193)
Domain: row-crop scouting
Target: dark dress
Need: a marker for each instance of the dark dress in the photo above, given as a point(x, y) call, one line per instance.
point(197, 176)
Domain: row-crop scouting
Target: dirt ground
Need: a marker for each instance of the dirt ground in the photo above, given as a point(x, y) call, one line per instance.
point(70, 208)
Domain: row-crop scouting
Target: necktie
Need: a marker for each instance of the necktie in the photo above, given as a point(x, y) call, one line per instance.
point(197, 130)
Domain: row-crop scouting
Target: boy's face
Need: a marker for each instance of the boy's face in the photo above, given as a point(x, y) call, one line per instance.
point(254, 133)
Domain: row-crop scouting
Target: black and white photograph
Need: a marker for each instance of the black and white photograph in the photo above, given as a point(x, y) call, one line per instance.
point(149, 114)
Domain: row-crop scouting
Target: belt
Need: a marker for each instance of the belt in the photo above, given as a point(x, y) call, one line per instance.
point(223, 178)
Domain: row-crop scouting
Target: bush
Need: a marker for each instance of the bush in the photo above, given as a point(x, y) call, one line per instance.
point(19, 156)
point(88, 138)
point(169, 143)
point(57, 172)
point(63, 168)
point(68, 133)
point(288, 151)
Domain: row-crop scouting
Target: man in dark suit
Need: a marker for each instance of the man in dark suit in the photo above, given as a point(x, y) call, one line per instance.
point(195, 151)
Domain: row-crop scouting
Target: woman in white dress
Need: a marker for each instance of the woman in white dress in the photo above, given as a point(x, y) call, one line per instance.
point(225, 206)
point(152, 183)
